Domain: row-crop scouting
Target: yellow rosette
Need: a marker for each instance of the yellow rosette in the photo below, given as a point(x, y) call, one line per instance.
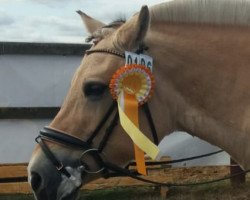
point(131, 86)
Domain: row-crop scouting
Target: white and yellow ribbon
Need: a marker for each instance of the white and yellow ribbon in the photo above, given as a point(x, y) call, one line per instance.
point(132, 86)
point(136, 135)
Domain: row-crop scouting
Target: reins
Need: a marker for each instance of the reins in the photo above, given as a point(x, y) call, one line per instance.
point(134, 175)
point(178, 160)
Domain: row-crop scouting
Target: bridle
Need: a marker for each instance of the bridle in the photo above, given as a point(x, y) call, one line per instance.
point(52, 135)
point(106, 168)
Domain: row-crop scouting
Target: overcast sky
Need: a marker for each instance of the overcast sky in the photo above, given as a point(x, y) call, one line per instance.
point(56, 20)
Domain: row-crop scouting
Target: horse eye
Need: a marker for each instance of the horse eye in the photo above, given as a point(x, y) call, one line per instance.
point(94, 90)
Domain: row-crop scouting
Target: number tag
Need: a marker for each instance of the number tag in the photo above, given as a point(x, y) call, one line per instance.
point(146, 61)
point(142, 59)
point(131, 58)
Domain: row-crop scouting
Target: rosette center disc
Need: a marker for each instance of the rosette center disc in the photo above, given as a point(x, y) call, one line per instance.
point(135, 80)
point(132, 84)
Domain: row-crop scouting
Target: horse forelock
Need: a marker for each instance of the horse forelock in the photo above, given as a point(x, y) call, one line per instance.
point(228, 12)
point(105, 30)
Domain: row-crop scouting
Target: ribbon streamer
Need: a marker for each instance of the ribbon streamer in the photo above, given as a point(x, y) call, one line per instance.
point(137, 136)
point(131, 110)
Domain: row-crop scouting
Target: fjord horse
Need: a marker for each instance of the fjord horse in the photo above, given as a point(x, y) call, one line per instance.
point(201, 52)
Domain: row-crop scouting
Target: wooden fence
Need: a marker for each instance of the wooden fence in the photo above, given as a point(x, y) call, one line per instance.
point(13, 177)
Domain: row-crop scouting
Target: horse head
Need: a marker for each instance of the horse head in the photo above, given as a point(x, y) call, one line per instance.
point(86, 104)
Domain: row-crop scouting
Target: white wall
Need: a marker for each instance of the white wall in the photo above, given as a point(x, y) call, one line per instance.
point(182, 145)
point(35, 81)
point(43, 81)
point(17, 139)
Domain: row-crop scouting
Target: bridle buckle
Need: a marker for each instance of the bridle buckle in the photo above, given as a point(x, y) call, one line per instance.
point(59, 168)
point(85, 169)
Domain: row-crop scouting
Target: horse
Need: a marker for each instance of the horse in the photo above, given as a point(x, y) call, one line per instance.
point(202, 86)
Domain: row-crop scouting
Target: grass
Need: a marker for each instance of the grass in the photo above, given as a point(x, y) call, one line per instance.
point(122, 193)
point(118, 193)
point(218, 191)
point(16, 197)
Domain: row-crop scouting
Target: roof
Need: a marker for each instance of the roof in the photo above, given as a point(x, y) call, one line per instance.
point(42, 48)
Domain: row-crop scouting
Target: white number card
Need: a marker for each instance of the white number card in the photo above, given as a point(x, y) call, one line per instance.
point(142, 59)
point(146, 61)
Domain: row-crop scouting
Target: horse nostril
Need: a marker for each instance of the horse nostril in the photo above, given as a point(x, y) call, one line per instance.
point(36, 181)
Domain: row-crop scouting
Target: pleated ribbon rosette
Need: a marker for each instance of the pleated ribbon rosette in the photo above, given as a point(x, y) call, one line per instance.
point(132, 85)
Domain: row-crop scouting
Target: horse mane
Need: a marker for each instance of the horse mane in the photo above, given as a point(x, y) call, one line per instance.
point(222, 12)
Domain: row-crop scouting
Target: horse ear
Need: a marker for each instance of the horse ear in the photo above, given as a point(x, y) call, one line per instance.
point(132, 33)
point(91, 24)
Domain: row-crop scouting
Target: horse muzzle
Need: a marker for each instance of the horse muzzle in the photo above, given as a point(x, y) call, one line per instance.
point(44, 180)
point(56, 183)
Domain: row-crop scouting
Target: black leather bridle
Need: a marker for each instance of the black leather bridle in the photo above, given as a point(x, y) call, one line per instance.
point(109, 169)
point(50, 134)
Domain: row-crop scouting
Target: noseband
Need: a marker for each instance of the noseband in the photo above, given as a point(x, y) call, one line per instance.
point(52, 135)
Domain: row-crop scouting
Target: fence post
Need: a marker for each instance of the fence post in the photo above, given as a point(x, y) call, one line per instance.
point(235, 169)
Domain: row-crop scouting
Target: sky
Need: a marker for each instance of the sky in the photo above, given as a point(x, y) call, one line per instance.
point(56, 20)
